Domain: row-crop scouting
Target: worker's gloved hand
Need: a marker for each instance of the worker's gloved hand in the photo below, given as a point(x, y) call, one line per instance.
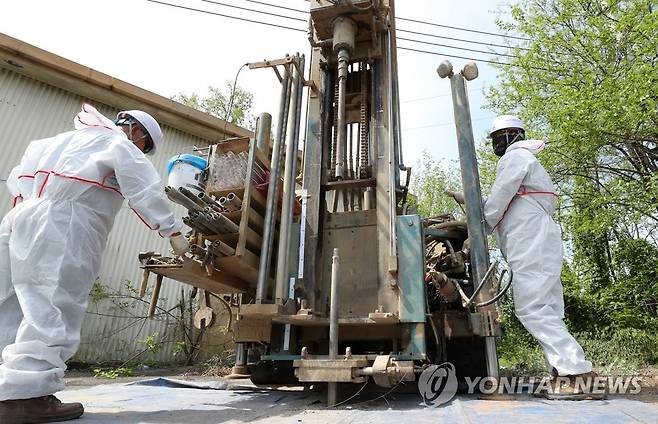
point(458, 196)
point(179, 244)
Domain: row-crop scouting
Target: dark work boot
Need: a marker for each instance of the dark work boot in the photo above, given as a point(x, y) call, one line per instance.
point(45, 409)
point(585, 386)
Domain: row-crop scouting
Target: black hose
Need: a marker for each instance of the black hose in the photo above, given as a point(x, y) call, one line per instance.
point(501, 293)
point(484, 280)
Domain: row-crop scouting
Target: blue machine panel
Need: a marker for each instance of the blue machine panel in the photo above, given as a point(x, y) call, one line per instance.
point(411, 268)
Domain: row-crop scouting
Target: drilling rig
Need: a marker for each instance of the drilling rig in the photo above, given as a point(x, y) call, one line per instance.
point(333, 277)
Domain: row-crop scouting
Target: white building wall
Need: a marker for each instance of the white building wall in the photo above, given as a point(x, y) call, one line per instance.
point(114, 329)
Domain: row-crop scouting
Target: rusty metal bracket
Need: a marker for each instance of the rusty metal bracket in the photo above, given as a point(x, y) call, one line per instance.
point(485, 323)
point(286, 61)
point(271, 63)
point(329, 370)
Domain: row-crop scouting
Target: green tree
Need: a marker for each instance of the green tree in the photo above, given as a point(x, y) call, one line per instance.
point(431, 178)
point(586, 78)
point(218, 101)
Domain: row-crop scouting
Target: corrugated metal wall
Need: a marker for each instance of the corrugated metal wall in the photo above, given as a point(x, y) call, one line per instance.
point(114, 328)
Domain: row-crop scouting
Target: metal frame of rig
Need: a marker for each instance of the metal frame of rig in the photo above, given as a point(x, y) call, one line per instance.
point(335, 278)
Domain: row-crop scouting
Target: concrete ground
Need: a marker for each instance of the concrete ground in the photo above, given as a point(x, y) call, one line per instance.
point(125, 400)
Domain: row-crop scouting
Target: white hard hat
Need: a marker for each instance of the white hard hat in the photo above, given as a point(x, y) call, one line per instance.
point(503, 122)
point(148, 122)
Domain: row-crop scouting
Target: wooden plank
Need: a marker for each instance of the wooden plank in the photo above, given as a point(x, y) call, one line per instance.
point(252, 331)
point(235, 266)
point(243, 144)
point(246, 203)
point(191, 272)
point(235, 145)
point(253, 240)
point(259, 199)
point(233, 216)
point(238, 191)
point(255, 219)
point(260, 311)
point(240, 267)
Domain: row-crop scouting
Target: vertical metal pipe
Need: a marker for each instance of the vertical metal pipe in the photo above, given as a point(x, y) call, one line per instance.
point(290, 171)
point(393, 133)
point(473, 196)
point(396, 94)
point(333, 312)
point(394, 171)
point(240, 354)
point(272, 193)
point(350, 150)
point(240, 369)
point(333, 321)
point(286, 114)
point(316, 172)
point(263, 131)
point(341, 128)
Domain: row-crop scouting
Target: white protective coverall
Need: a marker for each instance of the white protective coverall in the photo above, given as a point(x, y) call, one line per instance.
point(520, 210)
point(51, 243)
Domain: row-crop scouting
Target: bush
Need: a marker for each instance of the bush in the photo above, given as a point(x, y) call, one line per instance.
point(518, 352)
point(612, 350)
point(621, 351)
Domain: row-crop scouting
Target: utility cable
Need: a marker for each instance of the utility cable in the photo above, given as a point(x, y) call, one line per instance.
point(254, 10)
point(451, 55)
point(398, 29)
point(460, 39)
point(445, 124)
point(226, 16)
point(351, 397)
point(304, 31)
point(455, 47)
point(463, 29)
point(229, 110)
point(418, 22)
point(420, 99)
point(475, 59)
point(276, 5)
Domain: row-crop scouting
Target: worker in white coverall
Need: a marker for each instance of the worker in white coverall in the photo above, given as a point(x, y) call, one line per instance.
point(67, 191)
point(519, 211)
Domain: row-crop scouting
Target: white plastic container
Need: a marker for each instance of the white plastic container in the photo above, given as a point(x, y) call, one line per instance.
point(185, 170)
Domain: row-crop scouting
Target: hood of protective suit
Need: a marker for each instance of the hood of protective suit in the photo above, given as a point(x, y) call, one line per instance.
point(90, 117)
point(534, 146)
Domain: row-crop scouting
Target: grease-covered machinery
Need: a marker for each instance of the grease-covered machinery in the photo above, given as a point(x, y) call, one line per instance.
point(338, 281)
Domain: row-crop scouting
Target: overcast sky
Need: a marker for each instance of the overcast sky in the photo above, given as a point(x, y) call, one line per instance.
point(168, 50)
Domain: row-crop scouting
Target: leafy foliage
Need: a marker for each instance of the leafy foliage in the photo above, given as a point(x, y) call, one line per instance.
point(587, 80)
point(429, 182)
point(218, 101)
point(113, 373)
point(126, 306)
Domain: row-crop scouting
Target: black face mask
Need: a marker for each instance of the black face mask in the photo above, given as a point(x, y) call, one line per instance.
point(501, 142)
